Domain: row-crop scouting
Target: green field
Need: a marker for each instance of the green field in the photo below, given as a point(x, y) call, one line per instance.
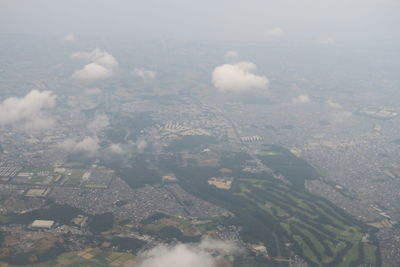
point(46, 176)
point(282, 215)
point(278, 213)
point(74, 177)
point(318, 231)
point(42, 175)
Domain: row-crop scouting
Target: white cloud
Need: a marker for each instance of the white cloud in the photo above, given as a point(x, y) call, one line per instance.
point(90, 144)
point(87, 144)
point(141, 145)
point(28, 109)
point(116, 149)
point(92, 71)
point(70, 37)
point(301, 99)
point(205, 254)
point(276, 31)
point(101, 67)
point(144, 74)
point(340, 117)
point(98, 56)
point(338, 114)
point(39, 123)
point(238, 77)
point(99, 122)
point(231, 54)
point(332, 104)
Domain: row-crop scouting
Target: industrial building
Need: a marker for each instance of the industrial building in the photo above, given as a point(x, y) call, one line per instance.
point(42, 224)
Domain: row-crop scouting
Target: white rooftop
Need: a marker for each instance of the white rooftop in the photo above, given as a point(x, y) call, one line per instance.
point(42, 223)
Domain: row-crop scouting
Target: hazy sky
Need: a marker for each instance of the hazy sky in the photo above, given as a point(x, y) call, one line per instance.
point(227, 20)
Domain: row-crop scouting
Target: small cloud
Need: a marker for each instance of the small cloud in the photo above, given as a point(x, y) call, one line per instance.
point(116, 149)
point(39, 123)
point(141, 145)
point(88, 144)
point(91, 72)
point(231, 54)
point(98, 56)
point(207, 253)
point(144, 74)
point(334, 105)
point(99, 122)
point(340, 117)
point(238, 77)
point(28, 109)
point(101, 67)
point(301, 99)
point(276, 31)
point(70, 37)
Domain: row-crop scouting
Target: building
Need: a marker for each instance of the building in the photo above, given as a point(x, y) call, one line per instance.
point(42, 224)
point(36, 192)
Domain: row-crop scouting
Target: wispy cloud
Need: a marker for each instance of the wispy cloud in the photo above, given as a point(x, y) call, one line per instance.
point(144, 74)
point(276, 31)
point(69, 37)
point(301, 99)
point(231, 54)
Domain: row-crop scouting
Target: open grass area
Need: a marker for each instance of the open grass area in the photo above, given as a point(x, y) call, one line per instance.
point(42, 175)
point(313, 224)
point(369, 252)
point(38, 179)
point(3, 219)
point(277, 213)
point(36, 169)
point(74, 177)
point(351, 256)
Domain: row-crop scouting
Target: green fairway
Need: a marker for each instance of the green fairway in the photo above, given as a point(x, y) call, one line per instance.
point(283, 215)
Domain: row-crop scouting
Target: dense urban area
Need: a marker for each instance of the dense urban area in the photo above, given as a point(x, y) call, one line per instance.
point(153, 151)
